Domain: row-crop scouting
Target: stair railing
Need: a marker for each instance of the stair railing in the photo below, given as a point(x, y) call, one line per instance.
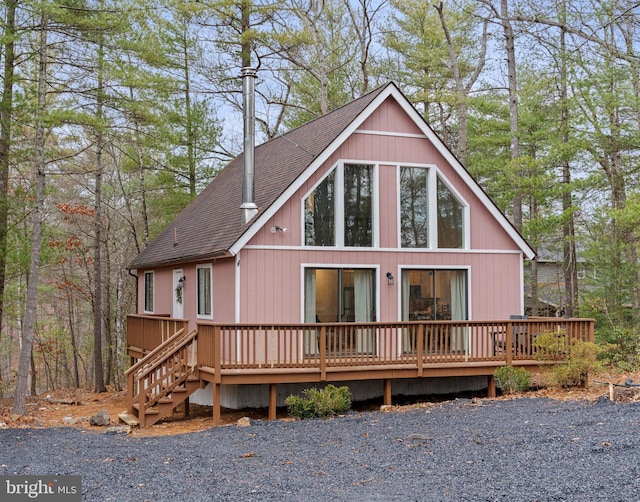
point(157, 374)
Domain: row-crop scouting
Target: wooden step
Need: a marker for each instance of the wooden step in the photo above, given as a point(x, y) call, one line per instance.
point(148, 411)
point(128, 419)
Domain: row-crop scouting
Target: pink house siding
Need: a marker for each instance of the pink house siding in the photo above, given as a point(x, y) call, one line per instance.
point(271, 280)
point(223, 280)
point(273, 261)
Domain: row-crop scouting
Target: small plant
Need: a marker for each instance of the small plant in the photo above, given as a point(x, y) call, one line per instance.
point(575, 359)
point(315, 403)
point(511, 379)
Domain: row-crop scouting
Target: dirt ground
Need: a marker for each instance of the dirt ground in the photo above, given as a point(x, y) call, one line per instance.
point(74, 407)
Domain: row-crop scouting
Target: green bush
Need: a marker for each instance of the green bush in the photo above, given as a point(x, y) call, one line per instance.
point(574, 359)
point(511, 379)
point(324, 403)
point(620, 348)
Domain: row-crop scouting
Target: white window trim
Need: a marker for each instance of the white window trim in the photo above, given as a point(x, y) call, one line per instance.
point(210, 267)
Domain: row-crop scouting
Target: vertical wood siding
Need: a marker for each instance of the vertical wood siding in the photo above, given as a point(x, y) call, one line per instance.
point(271, 283)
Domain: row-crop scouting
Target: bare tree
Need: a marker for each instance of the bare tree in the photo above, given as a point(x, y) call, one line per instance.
point(462, 88)
point(25, 359)
point(6, 114)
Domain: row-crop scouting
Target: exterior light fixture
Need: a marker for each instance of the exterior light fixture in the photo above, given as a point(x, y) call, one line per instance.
point(390, 280)
point(276, 228)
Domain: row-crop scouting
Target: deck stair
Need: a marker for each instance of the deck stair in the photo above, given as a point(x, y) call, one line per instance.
point(163, 379)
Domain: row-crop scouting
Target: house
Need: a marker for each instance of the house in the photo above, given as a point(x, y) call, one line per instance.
point(359, 216)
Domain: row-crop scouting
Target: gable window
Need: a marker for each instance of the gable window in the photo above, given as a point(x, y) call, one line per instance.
point(148, 291)
point(414, 208)
point(339, 210)
point(319, 214)
point(358, 210)
point(450, 218)
point(431, 214)
point(204, 290)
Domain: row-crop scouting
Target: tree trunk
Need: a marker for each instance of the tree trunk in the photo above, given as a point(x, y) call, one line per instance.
point(513, 109)
point(570, 268)
point(98, 322)
point(6, 114)
point(25, 360)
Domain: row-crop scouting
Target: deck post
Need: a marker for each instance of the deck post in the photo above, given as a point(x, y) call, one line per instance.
point(387, 392)
point(216, 403)
point(273, 402)
point(419, 350)
point(186, 408)
point(491, 386)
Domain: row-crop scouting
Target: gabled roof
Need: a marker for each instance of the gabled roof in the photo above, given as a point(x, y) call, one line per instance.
point(211, 226)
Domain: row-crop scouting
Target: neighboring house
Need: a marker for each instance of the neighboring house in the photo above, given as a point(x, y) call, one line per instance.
point(363, 215)
point(551, 283)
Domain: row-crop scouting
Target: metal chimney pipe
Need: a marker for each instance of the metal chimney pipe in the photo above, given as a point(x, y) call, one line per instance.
point(249, 207)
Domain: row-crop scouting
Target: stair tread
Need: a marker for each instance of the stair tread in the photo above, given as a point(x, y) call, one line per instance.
point(148, 411)
point(128, 418)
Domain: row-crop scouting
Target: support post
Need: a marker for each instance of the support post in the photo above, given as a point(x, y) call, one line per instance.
point(186, 408)
point(216, 403)
point(387, 392)
point(272, 401)
point(491, 387)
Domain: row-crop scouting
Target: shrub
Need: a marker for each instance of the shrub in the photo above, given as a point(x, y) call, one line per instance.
point(324, 403)
point(511, 379)
point(575, 359)
point(620, 348)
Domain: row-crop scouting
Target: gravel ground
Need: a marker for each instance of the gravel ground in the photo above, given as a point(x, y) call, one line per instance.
point(524, 449)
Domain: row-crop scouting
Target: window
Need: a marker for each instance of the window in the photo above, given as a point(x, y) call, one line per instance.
point(430, 212)
point(414, 208)
point(148, 291)
point(358, 210)
point(319, 214)
point(450, 217)
point(204, 296)
point(339, 211)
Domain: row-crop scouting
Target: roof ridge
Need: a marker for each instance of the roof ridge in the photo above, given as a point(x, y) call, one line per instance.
point(335, 110)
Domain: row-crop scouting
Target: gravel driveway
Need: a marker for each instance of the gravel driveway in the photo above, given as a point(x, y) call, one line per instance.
point(525, 449)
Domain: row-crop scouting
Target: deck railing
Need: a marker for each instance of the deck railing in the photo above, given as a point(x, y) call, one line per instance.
point(146, 332)
point(320, 346)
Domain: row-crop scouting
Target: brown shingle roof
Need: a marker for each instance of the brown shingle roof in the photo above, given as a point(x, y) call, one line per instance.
point(212, 223)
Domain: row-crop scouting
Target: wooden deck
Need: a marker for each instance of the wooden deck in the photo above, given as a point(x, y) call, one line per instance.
point(274, 354)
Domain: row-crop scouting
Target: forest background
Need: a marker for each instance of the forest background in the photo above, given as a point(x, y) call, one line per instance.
point(114, 114)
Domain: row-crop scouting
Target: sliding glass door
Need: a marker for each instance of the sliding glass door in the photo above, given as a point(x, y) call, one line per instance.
point(342, 295)
point(437, 295)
